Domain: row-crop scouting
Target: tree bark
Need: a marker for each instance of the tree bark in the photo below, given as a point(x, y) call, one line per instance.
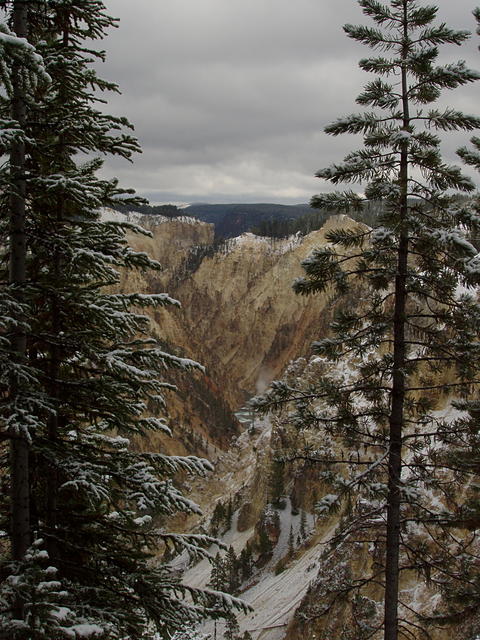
point(56, 356)
point(396, 422)
point(19, 445)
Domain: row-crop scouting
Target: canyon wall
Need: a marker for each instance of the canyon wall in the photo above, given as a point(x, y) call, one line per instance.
point(241, 319)
point(239, 315)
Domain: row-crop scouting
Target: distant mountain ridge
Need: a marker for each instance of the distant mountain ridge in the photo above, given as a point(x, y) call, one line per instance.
point(230, 220)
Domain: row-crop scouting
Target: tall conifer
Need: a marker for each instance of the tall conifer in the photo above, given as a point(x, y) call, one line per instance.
point(20, 70)
point(19, 447)
point(412, 335)
point(98, 507)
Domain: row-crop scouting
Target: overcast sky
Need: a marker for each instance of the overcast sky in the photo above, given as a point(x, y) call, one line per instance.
point(229, 97)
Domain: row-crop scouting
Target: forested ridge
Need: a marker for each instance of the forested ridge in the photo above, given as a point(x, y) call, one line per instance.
point(230, 220)
point(367, 445)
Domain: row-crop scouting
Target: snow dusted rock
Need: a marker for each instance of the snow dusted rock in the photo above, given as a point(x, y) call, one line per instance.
point(239, 316)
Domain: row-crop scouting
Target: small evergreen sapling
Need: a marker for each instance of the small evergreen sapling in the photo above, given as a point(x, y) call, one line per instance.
point(245, 563)
point(219, 578)
point(232, 629)
point(302, 530)
point(277, 484)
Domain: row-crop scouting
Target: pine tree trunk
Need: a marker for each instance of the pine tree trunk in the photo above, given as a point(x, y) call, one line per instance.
point(395, 449)
point(55, 420)
point(52, 474)
point(392, 569)
point(19, 447)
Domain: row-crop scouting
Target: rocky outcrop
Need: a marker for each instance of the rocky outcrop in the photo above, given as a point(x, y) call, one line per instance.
point(239, 316)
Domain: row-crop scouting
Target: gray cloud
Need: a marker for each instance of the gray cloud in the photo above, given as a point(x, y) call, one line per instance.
point(229, 97)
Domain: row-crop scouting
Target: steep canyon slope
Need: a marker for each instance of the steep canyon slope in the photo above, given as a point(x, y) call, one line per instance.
point(240, 318)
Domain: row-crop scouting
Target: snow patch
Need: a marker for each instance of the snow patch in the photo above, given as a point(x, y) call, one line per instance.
point(274, 246)
point(142, 219)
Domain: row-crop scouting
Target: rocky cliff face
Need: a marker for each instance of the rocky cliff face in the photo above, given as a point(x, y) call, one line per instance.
point(239, 316)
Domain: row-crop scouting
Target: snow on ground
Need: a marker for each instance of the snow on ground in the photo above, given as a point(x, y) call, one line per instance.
point(287, 521)
point(274, 598)
point(110, 215)
point(273, 245)
point(199, 575)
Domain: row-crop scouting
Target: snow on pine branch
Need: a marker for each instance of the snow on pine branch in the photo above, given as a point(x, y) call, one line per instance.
point(151, 300)
point(173, 464)
point(13, 48)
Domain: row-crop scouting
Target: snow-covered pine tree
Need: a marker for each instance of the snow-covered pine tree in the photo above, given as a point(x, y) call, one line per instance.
point(410, 341)
point(97, 504)
point(19, 444)
point(232, 569)
point(219, 574)
point(21, 68)
point(245, 562)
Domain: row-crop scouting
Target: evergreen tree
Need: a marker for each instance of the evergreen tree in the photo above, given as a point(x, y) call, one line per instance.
point(21, 69)
point(457, 448)
point(469, 156)
point(302, 530)
point(291, 542)
point(17, 277)
point(245, 562)
point(264, 544)
point(90, 378)
point(231, 629)
point(225, 572)
point(413, 339)
point(219, 578)
point(277, 484)
point(229, 515)
point(231, 566)
point(269, 520)
point(217, 517)
point(294, 503)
